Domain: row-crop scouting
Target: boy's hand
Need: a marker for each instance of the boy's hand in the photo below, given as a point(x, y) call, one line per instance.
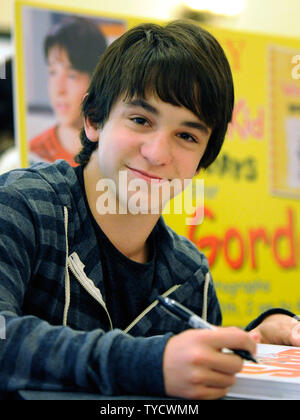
point(195, 367)
point(278, 329)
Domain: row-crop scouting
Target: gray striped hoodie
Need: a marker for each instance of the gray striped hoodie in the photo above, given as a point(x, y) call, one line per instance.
point(58, 332)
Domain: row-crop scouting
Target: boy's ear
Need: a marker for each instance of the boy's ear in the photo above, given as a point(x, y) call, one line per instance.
point(91, 131)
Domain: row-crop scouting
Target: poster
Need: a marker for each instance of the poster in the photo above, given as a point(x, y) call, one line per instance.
point(250, 232)
point(59, 50)
point(284, 91)
point(246, 222)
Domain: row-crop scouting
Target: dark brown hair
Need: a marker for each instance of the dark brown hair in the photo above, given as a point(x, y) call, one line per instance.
point(181, 63)
point(82, 40)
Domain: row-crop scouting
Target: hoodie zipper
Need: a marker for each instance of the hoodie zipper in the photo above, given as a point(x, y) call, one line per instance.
point(77, 268)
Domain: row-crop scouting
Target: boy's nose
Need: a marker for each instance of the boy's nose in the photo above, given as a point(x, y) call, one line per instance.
point(60, 84)
point(157, 150)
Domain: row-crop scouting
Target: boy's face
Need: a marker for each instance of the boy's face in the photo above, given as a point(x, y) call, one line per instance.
point(67, 88)
point(151, 141)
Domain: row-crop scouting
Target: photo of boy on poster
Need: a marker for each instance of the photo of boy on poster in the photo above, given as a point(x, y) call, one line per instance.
point(71, 49)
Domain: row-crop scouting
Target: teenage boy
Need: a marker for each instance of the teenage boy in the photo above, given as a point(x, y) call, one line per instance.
point(79, 285)
point(72, 49)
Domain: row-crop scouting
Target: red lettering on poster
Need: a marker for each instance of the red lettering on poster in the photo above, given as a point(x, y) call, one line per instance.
point(211, 242)
point(235, 49)
point(233, 234)
point(287, 233)
point(215, 244)
point(256, 235)
point(245, 126)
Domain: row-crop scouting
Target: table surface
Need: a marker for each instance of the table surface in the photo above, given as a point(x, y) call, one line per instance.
point(56, 395)
point(83, 396)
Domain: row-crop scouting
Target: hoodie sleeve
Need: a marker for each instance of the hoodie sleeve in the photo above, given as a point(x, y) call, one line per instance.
point(255, 323)
point(37, 355)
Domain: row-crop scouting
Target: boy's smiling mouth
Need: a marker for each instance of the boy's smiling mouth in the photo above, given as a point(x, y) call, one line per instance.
point(147, 176)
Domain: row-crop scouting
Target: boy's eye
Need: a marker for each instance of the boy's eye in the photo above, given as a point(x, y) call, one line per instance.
point(139, 120)
point(72, 75)
point(187, 137)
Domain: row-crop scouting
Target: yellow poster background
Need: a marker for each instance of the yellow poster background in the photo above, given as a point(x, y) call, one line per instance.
point(250, 235)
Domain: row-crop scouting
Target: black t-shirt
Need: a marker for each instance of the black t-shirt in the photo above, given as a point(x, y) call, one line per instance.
point(127, 283)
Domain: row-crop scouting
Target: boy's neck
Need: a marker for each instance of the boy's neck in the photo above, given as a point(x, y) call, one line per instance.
point(127, 232)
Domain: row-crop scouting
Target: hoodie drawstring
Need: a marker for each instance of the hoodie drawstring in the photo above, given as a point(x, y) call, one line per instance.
point(67, 276)
point(94, 291)
point(205, 296)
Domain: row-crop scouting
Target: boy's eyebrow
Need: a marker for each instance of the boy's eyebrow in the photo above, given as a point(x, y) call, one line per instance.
point(198, 125)
point(53, 63)
point(143, 104)
point(191, 124)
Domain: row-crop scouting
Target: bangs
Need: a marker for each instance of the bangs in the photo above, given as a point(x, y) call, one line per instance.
point(181, 64)
point(172, 79)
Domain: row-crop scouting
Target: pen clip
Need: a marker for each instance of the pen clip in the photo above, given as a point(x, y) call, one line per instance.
point(174, 308)
point(163, 306)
